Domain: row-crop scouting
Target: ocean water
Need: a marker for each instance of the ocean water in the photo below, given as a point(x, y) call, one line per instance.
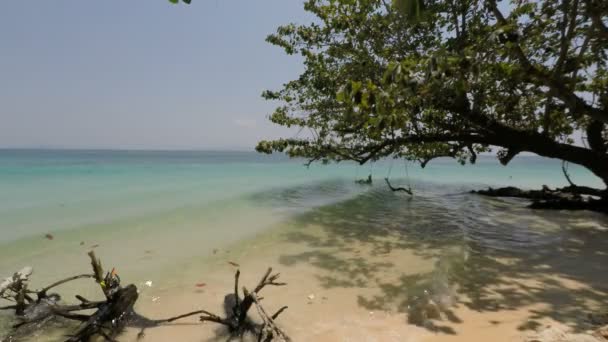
point(135, 192)
point(50, 191)
point(156, 213)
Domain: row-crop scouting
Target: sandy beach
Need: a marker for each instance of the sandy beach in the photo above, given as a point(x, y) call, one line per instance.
point(373, 288)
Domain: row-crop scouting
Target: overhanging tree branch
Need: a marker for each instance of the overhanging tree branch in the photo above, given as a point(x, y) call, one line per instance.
point(556, 83)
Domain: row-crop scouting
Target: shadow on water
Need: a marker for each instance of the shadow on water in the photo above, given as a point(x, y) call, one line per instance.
point(489, 255)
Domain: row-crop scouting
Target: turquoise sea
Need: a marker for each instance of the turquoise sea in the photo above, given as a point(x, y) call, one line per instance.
point(156, 212)
point(72, 191)
point(92, 194)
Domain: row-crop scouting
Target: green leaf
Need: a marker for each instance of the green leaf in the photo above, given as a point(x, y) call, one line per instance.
point(341, 96)
point(356, 87)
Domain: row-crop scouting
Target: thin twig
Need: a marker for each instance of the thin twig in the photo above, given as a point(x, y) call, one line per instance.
point(237, 299)
point(98, 272)
point(213, 318)
point(169, 320)
point(81, 306)
point(280, 311)
point(269, 322)
point(565, 171)
point(42, 293)
point(68, 315)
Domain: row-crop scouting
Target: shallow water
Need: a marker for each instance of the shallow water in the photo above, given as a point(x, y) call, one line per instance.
point(373, 265)
point(177, 218)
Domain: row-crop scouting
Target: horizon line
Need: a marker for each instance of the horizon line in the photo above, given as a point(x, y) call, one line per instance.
point(127, 149)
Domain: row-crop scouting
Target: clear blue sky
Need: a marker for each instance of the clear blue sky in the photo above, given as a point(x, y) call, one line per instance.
point(141, 74)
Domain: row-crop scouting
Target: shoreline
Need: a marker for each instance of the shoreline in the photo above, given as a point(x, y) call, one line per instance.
point(361, 293)
point(372, 264)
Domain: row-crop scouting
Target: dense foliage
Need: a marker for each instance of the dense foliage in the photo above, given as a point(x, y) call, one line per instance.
point(447, 78)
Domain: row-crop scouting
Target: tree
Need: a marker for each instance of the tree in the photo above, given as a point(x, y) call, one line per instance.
point(459, 78)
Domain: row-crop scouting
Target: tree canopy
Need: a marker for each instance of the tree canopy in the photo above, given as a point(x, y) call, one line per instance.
point(447, 78)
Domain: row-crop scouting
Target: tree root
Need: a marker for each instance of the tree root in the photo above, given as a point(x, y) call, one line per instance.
point(567, 198)
point(116, 312)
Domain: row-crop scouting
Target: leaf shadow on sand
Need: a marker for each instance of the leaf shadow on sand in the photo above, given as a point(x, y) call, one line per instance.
point(490, 255)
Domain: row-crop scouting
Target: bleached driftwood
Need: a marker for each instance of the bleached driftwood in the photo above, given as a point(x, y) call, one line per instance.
point(20, 276)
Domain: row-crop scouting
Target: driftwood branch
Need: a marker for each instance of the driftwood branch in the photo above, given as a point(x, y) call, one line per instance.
point(109, 318)
point(114, 313)
point(409, 191)
point(269, 330)
point(280, 311)
point(97, 269)
point(209, 317)
point(237, 309)
point(15, 289)
point(10, 282)
point(249, 298)
point(238, 322)
point(68, 315)
point(43, 293)
point(237, 300)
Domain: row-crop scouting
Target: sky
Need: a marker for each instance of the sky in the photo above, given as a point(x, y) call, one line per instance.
point(142, 74)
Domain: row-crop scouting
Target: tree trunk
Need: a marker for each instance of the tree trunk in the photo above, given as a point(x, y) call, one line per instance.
point(594, 161)
point(516, 141)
